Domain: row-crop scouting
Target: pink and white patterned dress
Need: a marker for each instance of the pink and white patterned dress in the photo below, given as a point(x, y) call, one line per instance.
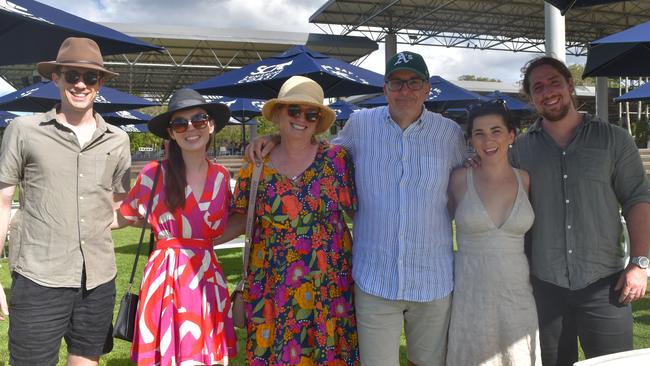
point(184, 313)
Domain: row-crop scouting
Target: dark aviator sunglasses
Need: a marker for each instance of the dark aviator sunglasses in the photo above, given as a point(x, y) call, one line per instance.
point(90, 78)
point(199, 121)
point(311, 115)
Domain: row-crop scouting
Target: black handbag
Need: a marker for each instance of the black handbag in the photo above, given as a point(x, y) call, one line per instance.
point(125, 321)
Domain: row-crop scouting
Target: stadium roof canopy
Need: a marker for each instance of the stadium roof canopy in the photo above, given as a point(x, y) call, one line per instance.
point(509, 25)
point(197, 53)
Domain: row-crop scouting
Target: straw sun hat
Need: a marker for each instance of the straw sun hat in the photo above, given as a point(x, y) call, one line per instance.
point(304, 91)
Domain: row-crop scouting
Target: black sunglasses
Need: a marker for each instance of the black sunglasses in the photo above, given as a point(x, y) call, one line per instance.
point(199, 121)
point(498, 103)
point(90, 78)
point(311, 115)
point(398, 84)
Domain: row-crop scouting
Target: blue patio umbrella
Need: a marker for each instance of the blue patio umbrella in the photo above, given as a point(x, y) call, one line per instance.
point(5, 118)
point(624, 53)
point(135, 128)
point(374, 101)
point(443, 95)
point(566, 5)
point(32, 32)
point(42, 96)
point(513, 104)
point(343, 109)
point(126, 117)
point(263, 79)
point(639, 93)
point(241, 109)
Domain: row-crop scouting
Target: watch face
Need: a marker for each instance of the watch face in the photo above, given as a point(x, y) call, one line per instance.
point(644, 261)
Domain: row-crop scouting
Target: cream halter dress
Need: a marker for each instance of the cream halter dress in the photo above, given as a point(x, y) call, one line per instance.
point(493, 317)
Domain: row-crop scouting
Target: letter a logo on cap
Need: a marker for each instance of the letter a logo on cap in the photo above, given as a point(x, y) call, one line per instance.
point(407, 61)
point(403, 58)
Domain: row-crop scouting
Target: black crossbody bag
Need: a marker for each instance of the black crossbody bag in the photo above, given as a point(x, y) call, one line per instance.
point(125, 321)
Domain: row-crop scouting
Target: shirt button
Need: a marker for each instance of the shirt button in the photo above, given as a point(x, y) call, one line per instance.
point(83, 242)
point(82, 220)
point(81, 197)
point(81, 175)
point(570, 251)
point(567, 201)
point(568, 227)
point(565, 176)
point(563, 152)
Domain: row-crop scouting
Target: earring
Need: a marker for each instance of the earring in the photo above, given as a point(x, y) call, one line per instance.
point(509, 146)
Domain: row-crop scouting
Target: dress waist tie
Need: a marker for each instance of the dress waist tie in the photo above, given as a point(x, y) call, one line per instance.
point(182, 243)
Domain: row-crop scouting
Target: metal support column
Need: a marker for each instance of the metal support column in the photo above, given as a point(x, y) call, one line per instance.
point(390, 45)
point(601, 98)
point(555, 32)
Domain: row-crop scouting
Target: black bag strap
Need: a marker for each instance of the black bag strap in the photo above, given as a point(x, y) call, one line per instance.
point(144, 225)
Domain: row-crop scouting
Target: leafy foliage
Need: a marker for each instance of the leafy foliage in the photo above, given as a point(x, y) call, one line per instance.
point(576, 73)
point(476, 78)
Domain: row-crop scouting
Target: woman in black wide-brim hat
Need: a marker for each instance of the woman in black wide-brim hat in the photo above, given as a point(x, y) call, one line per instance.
point(184, 311)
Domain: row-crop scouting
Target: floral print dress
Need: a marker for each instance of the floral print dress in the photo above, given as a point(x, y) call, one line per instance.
point(299, 287)
point(184, 315)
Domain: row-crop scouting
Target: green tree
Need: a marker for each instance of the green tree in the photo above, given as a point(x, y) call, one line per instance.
point(576, 73)
point(476, 78)
point(148, 139)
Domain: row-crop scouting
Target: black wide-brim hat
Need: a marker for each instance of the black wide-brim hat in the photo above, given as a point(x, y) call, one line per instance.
point(188, 99)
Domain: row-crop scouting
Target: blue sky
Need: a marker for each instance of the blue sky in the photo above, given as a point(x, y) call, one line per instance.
point(286, 15)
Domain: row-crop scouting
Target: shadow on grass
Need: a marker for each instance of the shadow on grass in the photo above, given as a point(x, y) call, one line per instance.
point(119, 362)
point(131, 248)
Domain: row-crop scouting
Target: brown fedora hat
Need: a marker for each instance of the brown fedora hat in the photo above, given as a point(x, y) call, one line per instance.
point(76, 52)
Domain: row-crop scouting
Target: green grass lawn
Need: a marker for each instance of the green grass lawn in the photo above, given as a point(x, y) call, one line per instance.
point(126, 241)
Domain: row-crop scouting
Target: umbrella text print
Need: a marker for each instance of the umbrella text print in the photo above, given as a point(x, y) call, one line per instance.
point(9, 6)
point(343, 73)
point(265, 72)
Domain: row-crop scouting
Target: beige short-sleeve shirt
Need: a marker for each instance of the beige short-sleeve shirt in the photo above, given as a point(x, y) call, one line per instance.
point(66, 199)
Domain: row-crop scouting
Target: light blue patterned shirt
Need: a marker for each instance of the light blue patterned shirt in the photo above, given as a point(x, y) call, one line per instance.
point(402, 246)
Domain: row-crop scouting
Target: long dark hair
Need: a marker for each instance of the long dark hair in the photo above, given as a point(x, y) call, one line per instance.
point(175, 179)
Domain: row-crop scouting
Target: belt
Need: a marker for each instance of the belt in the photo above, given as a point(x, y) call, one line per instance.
point(181, 243)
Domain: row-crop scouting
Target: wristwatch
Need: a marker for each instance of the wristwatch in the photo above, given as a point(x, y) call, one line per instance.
point(641, 262)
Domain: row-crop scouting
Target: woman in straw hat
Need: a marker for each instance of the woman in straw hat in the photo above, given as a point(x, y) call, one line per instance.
point(184, 311)
point(299, 284)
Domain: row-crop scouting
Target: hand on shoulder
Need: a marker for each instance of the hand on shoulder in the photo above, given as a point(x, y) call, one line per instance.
point(260, 147)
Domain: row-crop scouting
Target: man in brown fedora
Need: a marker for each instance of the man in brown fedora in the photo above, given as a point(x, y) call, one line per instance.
point(73, 170)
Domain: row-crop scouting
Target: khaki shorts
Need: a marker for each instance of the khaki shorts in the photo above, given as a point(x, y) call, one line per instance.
point(380, 322)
